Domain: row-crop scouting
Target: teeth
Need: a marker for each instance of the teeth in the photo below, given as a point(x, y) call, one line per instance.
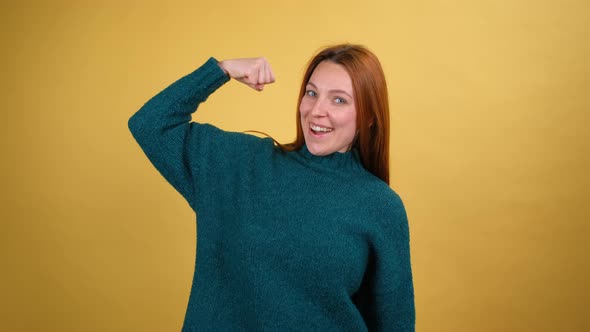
point(317, 128)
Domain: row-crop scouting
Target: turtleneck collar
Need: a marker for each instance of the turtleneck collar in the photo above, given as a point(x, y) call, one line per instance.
point(349, 160)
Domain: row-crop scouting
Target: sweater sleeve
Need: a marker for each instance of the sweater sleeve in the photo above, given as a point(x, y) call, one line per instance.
point(163, 129)
point(387, 302)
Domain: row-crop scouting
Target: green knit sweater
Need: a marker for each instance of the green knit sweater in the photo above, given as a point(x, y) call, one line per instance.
point(287, 241)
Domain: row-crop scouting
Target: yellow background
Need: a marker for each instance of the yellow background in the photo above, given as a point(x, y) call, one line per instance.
point(490, 151)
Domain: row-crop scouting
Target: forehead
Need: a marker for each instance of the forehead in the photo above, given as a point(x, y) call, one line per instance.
point(330, 75)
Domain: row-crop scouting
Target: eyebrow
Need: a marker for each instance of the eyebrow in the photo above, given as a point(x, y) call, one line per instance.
point(331, 91)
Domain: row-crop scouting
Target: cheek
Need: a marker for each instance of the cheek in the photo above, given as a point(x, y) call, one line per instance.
point(304, 108)
point(348, 121)
point(302, 115)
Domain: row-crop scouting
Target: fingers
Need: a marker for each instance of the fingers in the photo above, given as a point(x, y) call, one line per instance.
point(265, 75)
point(270, 74)
point(260, 74)
point(263, 78)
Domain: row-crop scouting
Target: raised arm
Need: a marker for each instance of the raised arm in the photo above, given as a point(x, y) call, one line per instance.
point(163, 126)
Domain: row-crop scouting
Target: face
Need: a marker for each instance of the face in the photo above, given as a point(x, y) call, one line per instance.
point(328, 114)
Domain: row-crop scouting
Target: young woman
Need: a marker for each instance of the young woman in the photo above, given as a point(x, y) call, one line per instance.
point(306, 236)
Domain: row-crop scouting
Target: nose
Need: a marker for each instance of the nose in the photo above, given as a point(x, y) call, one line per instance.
point(317, 109)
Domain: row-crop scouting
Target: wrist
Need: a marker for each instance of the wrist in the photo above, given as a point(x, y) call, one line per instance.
point(221, 65)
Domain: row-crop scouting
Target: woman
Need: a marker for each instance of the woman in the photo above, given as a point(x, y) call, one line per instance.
point(306, 236)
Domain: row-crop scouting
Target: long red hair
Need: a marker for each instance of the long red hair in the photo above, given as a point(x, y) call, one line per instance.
point(371, 102)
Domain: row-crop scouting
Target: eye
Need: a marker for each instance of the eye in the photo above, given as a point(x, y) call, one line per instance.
point(339, 100)
point(310, 93)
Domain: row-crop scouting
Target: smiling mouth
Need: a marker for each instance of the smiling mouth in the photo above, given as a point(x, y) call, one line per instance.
point(320, 130)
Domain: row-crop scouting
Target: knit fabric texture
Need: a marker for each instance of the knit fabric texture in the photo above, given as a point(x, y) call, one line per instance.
point(286, 241)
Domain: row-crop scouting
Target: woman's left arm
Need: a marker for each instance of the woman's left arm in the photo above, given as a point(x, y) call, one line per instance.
point(389, 299)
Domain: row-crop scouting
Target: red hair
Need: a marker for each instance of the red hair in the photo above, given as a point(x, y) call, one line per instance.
point(371, 102)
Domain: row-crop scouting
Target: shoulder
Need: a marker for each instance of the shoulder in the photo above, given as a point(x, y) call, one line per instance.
point(229, 148)
point(230, 139)
point(379, 193)
point(384, 205)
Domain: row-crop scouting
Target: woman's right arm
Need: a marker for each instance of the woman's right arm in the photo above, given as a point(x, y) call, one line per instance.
point(162, 126)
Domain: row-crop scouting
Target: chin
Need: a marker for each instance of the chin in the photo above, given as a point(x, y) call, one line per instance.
point(318, 151)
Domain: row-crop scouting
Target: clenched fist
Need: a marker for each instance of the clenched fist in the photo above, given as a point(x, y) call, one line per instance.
point(254, 72)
